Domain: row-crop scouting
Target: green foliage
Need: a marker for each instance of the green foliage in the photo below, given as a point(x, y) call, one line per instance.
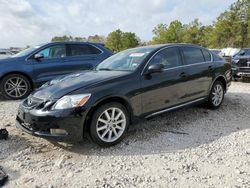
point(97, 39)
point(231, 28)
point(119, 40)
point(168, 34)
point(67, 38)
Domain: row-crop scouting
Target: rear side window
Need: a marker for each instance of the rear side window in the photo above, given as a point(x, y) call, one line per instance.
point(192, 55)
point(169, 57)
point(207, 55)
point(83, 49)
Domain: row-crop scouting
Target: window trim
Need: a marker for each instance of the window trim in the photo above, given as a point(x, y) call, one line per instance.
point(208, 53)
point(69, 50)
point(43, 48)
point(182, 59)
point(158, 51)
point(46, 58)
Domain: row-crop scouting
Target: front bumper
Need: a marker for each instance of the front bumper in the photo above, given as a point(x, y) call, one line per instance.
point(241, 71)
point(39, 123)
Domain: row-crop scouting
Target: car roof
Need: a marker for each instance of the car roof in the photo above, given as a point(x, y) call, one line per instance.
point(159, 46)
point(72, 42)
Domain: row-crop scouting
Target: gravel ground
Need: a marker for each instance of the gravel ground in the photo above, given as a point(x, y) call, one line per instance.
point(191, 147)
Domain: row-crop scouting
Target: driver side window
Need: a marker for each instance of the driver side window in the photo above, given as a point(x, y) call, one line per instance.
point(57, 51)
point(169, 57)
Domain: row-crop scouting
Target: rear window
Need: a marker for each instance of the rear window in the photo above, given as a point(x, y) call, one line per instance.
point(192, 55)
point(83, 49)
point(207, 55)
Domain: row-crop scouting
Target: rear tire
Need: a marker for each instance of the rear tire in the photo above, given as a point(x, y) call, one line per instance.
point(109, 124)
point(15, 86)
point(216, 95)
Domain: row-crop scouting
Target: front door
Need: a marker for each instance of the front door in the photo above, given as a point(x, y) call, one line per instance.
point(51, 65)
point(160, 90)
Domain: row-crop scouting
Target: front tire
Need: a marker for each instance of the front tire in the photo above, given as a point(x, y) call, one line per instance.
point(15, 86)
point(109, 124)
point(216, 95)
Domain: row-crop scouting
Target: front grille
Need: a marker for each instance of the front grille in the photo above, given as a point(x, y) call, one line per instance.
point(32, 102)
point(244, 63)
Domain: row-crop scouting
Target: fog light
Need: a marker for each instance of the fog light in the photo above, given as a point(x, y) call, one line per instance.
point(58, 132)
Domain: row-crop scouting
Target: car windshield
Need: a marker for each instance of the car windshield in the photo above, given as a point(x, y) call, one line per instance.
point(127, 60)
point(26, 51)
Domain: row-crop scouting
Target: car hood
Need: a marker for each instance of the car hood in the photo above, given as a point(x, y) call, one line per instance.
point(9, 60)
point(61, 86)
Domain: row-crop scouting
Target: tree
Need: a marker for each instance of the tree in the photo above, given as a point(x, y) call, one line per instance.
point(193, 32)
point(80, 39)
point(97, 39)
point(232, 26)
point(129, 40)
point(62, 38)
point(231, 29)
point(114, 41)
point(168, 34)
point(66, 38)
point(118, 40)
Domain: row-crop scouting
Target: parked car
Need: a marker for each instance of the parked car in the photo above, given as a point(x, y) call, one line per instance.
point(228, 53)
point(5, 54)
point(216, 51)
point(241, 63)
point(136, 83)
point(30, 68)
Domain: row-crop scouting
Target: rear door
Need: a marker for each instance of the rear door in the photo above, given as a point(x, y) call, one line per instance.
point(160, 90)
point(197, 73)
point(82, 57)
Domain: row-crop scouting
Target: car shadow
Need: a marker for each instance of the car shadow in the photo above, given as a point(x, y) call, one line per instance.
point(178, 130)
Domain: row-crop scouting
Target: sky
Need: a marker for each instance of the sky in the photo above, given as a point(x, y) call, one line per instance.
point(31, 22)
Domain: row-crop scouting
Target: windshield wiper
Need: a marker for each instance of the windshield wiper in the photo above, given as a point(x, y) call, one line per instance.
point(105, 69)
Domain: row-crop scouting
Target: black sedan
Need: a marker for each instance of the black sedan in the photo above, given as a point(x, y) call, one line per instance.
point(135, 83)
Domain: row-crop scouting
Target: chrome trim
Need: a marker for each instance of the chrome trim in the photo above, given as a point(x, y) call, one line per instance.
point(188, 65)
point(183, 65)
point(65, 44)
point(175, 107)
point(97, 48)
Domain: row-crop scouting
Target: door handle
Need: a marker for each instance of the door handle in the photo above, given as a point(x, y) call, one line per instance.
point(183, 74)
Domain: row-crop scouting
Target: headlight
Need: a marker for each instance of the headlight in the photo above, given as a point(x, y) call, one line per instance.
point(71, 101)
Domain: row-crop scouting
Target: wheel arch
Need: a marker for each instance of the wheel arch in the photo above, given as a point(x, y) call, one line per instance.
point(20, 73)
point(222, 79)
point(106, 100)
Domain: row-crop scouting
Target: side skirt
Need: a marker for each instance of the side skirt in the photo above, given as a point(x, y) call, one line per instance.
point(176, 107)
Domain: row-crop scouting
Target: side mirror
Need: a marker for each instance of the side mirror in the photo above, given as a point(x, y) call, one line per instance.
point(39, 56)
point(155, 68)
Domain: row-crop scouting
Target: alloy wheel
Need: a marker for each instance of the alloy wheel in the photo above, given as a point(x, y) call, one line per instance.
point(217, 95)
point(16, 87)
point(111, 124)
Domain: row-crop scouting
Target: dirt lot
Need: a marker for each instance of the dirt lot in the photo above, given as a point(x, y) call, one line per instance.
point(192, 147)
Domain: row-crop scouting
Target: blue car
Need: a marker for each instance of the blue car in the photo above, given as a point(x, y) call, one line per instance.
point(32, 67)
